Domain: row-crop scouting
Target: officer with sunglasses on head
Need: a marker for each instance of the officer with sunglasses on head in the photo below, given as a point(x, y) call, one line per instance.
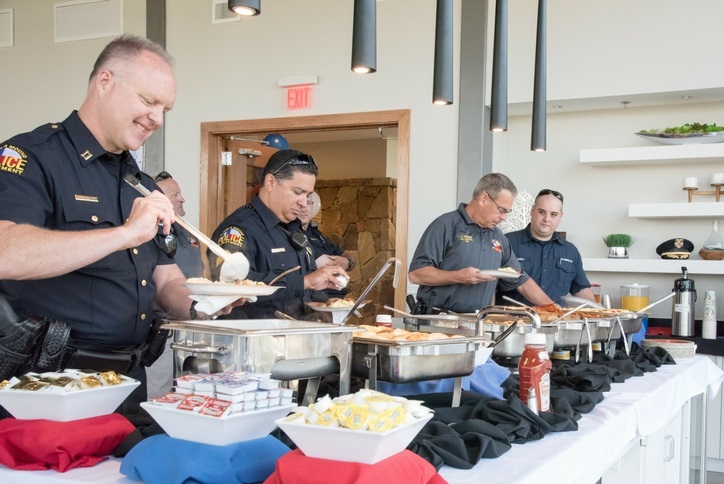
point(267, 231)
point(553, 262)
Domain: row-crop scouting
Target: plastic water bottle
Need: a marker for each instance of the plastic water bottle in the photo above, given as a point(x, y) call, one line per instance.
point(534, 369)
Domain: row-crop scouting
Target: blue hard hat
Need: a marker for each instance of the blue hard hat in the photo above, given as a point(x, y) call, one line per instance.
point(275, 140)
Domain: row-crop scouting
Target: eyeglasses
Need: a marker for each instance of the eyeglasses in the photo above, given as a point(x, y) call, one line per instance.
point(548, 191)
point(166, 242)
point(301, 159)
point(502, 210)
point(164, 175)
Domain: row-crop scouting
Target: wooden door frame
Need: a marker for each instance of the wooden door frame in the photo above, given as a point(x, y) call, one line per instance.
point(213, 136)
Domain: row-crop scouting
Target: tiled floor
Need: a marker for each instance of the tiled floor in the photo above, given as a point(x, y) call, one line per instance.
point(714, 478)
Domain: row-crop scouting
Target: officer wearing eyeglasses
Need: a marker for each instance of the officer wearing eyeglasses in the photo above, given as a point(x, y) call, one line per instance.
point(454, 252)
point(553, 262)
point(267, 231)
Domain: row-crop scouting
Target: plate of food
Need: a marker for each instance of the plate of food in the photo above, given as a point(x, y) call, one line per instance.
point(502, 273)
point(336, 305)
point(205, 287)
point(693, 133)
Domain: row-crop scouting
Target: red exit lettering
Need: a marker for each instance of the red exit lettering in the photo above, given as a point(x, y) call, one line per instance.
point(299, 97)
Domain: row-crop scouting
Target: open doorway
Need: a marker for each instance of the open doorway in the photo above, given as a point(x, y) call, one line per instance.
point(223, 186)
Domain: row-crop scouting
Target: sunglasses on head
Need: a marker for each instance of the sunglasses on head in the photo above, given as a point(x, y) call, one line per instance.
point(548, 191)
point(301, 159)
point(164, 175)
point(166, 242)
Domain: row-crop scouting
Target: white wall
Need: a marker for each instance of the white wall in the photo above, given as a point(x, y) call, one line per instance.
point(229, 72)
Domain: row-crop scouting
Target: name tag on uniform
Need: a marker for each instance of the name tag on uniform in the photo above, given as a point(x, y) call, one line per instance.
point(277, 250)
point(86, 198)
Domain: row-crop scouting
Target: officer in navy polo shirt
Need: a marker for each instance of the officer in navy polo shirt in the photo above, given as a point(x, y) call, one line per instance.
point(553, 262)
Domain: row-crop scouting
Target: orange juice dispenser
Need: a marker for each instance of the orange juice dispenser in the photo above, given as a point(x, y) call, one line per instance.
point(634, 296)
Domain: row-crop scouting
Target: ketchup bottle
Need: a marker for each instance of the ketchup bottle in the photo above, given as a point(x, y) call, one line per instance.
point(534, 369)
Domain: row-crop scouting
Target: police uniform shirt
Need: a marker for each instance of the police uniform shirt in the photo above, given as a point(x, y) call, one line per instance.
point(257, 232)
point(59, 177)
point(452, 242)
point(555, 264)
point(321, 246)
point(188, 253)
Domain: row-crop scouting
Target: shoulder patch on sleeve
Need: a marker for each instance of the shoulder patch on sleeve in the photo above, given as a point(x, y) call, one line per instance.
point(231, 235)
point(13, 160)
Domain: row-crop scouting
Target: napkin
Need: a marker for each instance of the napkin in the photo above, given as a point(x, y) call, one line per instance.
point(406, 467)
point(45, 444)
point(211, 304)
point(161, 459)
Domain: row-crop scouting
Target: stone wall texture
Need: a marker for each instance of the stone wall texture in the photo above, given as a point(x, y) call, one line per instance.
point(359, 215)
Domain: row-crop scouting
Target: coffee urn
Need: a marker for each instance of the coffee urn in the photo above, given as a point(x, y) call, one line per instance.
point(682, 311)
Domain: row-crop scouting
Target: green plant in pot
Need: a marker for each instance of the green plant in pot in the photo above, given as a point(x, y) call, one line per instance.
point(618, 244)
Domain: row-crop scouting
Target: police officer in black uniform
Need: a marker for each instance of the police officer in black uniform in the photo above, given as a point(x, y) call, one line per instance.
point(267, 231)
point(80, 245)
point(325, 251)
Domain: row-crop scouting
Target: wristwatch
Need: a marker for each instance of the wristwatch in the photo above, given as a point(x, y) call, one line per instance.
point(351, 263)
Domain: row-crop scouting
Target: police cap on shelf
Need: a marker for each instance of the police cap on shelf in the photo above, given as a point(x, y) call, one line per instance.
point(678, 248)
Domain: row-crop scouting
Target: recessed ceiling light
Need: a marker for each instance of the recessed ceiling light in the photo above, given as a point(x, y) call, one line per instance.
point(557, 106)
point(687, 97)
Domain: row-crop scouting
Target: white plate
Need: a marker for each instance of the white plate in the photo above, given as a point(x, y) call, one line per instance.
point(223, 289)
point(501, 274)
point(684, 139)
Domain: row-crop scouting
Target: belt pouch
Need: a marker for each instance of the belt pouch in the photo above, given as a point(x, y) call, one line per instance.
point(16, 344)
point(156, 343)
point(83, 359)
point(48, 354)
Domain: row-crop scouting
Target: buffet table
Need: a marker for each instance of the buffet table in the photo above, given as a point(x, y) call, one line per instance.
point(630, 411)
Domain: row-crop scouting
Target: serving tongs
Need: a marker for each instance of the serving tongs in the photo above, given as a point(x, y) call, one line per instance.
point(236, 265)
point(361, 298)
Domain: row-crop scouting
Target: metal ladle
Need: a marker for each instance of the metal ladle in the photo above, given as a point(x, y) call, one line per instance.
point(236, 265)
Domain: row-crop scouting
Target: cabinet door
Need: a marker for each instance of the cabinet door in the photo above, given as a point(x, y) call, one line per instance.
point(714, 409)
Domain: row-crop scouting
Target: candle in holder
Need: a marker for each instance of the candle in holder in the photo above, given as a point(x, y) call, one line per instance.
point(691, 182)
point(717, 179)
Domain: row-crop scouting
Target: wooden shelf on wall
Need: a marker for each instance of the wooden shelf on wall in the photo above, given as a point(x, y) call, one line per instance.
point(676, 210)
point(641, 155)
point(658, 266)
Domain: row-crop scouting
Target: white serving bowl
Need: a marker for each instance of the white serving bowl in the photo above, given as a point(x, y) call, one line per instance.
point(341, 444)
point(205, 429)
point(66, 406)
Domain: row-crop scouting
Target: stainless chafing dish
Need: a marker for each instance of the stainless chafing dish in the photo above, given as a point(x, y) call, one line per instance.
point(289, 350)
point(413, 361)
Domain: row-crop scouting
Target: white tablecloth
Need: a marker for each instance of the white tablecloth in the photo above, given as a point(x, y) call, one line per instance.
point(629, 411)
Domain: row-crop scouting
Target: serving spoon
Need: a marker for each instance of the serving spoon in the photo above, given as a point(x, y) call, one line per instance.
point(236, 265)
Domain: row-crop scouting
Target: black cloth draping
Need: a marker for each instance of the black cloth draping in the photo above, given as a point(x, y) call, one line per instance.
point(484, 427)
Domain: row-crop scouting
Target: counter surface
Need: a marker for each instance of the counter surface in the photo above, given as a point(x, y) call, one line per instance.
point(628, 412)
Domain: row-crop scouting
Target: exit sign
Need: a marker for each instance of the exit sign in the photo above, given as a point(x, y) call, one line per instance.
point(299, 97)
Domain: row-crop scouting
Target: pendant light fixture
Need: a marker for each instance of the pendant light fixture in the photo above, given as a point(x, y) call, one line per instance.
point(538, 131)
point(364, 37)
point(499, 89)
point(442, 83)
point(247, 8)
